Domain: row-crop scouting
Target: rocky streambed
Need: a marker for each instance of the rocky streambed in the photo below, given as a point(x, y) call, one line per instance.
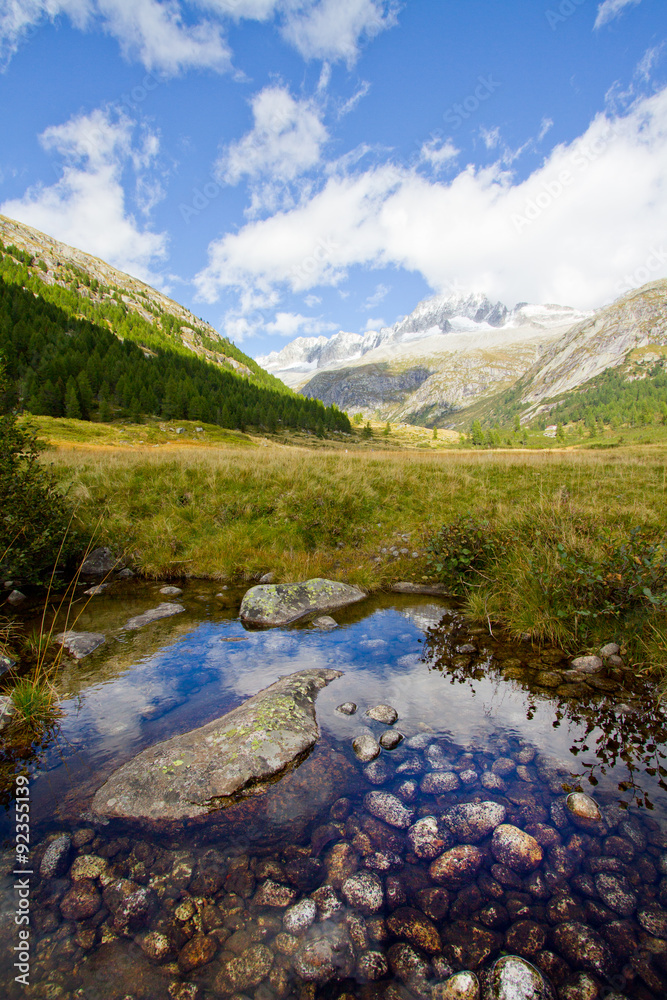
point(475, 822)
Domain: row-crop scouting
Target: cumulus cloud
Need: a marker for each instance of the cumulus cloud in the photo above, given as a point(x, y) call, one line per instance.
point(438, 153)
point(610, 9)
point(288, 324)
point(567, 233)
point(87, 206)
point(286, 139)
point(374, 324)
point(171, 36)
point(377, 297)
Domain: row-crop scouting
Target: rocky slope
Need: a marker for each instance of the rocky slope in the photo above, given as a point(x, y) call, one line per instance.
point(636, 320)
point(56, 263)
point(449, 352)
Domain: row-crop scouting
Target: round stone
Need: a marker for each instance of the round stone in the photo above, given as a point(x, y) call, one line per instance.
point(363, 892)
point(513, 978)
point(583, 948)
point(407, 791)
point(515, 849)
point(415, 928)
point(462, 986)
point(347, 708)
point(583, 810)
point(425, 839)
point(611, 649)
point(171, 591)
point(272, 893)
point(372, 965)
point(198, 951)
point(473, 821)
point(439, 782)
point(503, 766)
point(390, 740)
point(383, 713)
point(457, 867)
point(587, 664)
point(246, 971)
point(616, 894)
point(88, 866)
point(388, 808)
point(154, 945)
point(653, 919)
point(378, 772)
point(56, 856)
point(81, 901)
point(298, 918)
point(366, 747)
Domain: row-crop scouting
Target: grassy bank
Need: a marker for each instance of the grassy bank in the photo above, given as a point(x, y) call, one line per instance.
point(239, 508)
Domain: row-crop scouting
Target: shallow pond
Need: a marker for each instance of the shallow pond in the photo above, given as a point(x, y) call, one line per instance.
point(329, 884)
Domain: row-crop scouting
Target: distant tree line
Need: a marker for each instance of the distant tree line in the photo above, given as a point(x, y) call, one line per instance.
point(63, 365)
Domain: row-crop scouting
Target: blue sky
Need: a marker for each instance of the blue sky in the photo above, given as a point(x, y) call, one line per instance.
point(295, 167)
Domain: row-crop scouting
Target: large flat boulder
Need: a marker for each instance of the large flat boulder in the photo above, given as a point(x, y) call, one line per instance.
point(268, 605)
point(190, 776)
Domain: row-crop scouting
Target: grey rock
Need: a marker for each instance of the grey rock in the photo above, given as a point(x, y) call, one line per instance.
point(437, 759)
point(514, 978)
point(461, 986)
point(165, 610)
point(15, 598)
point(80, 644)
point(326, 953)
point(366, 747)
point(439, 782)
point(267, 577)
point(324, 621)
point(363, 892)
point(383, 713)
point(272, 893)
point(347, 708)
point(516, 849)
point(247, 746)
point(583, 948)
point(616, 894)
point(583, 810)
point(614, 661)
point(407, 791)
point(457, 867)
point(269, 605)
point(99, 562)
point(56, 857)
point(124, 574)
point(298, 918)
point(653, 918)
point(587, 664)
point(469, 777)
point(428, 589)
point(383, 861)
point(473, 821)
point(390, 739)
point(426, 840)
point(378, 772)
point(611, 649)
point(97, 589)
point(388, 808)
point(171, 591)
point(419, 742)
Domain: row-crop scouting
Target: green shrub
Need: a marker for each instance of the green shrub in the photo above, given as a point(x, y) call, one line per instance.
point(461, 550)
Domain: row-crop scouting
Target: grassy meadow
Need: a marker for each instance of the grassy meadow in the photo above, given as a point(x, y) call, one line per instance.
point(230, 507)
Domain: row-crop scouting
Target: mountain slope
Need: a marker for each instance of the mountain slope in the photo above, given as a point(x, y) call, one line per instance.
point(73, 347)
point(98, 291)
point(450, 351)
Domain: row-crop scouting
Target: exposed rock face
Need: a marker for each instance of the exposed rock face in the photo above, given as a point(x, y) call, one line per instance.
point(188, 776)
point(365, 387)
point(80, 644)
point(269, 605)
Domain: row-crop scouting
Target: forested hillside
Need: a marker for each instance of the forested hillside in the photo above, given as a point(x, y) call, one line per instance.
point(64, 360)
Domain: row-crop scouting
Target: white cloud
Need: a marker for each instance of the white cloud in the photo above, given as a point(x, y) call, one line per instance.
point(312, 301)
point(290, 325)
point(87, 206)
point(438, 153)
point(610, 9)
point(154, 33)
point(163, 35)
point(333, 29)
point(545, 127)
point(567, 233)
point(490, 137)
point(374, 324)
point(286, 139)
point(648, 62)
point(377, 297)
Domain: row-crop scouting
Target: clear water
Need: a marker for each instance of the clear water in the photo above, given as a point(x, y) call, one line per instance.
point(182, 672)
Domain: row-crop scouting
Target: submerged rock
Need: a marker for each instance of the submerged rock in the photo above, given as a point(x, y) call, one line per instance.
point(347, 708)
point(366, 747)
point(80, 644)
point(383, 713)
point(56, 857)
point(268, 605)
point(363, 892)
point(171, 591)
point(513, 978)
point(188, 776)
point(473, 821)
point(462, 986)
point(516, 849)
point(165, 610)
point(415, 928)
point(428, 589)
point(587, 664)
point(390, 740)
point(583, 810)
point(388, 808)
point(324, 621)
